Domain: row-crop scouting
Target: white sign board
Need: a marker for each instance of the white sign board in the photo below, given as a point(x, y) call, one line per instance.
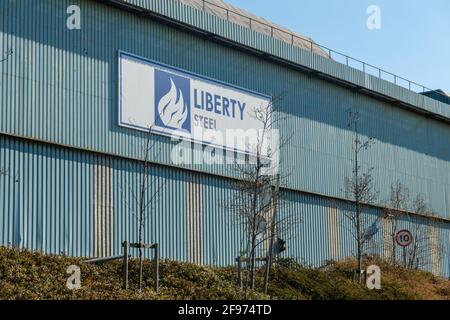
point(181, 104)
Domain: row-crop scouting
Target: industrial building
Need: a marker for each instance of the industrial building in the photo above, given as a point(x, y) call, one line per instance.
point(71, 166)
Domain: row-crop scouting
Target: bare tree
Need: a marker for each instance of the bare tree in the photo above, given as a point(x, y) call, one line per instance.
point(258, 198)
point(144, 197)
point(360, 189)
point(6, 55)
point(397, 207)
point(425, 248)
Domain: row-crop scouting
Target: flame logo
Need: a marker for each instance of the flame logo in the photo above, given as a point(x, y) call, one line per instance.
point(172, 109)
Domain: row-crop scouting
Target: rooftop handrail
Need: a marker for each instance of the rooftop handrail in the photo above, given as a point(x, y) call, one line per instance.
point(408, 84)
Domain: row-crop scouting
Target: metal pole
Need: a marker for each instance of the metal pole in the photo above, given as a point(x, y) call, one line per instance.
point(156, 268)
point(404, 256)
point(105, 259)
point(126, 247)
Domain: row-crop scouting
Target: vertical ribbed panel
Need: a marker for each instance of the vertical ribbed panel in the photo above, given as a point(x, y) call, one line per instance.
point(103, 209)
point(62, 86)
point(435, 250)
point(224, 238)
point(387, 229)
point(77, 203)
point(194, 220)
point(444, 236)
point(305, 230)
point(333, 233)
point(46, 198)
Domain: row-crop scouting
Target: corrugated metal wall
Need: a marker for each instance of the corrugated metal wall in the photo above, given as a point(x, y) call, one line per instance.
point(69, 79)
point(79, 203)
point(103, 207)
point(286, 51)
point(60, 86)
point(44, 202)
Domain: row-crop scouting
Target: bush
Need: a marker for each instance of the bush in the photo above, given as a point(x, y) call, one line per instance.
point(32, 275)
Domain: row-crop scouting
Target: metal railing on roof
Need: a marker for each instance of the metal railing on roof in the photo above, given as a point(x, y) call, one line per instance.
point(330, 53)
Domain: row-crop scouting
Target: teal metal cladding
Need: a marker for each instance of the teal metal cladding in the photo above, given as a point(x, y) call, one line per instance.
point(282, 50)
point(48, 202)
point(60, 88)
point(43, 201)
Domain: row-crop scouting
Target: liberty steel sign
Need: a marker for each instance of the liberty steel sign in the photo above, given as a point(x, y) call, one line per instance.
point(181, 104)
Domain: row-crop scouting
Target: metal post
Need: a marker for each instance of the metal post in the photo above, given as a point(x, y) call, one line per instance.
point(239, 270)
point(404, 256)
point(105, 259)
point(126, 247)
point(156, 267)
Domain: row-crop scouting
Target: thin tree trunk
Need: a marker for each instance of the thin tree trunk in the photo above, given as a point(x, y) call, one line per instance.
point(141, 222)
point(253, 263)
point(359, 244)
point(358, 207)
point(254, 225)
point(272, 234)
point(394, 245)
point(141, 265)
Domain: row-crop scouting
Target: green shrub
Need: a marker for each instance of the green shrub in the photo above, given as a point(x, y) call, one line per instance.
point(33, 275)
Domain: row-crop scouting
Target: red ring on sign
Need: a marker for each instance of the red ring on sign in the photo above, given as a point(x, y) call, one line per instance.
point(401, 242)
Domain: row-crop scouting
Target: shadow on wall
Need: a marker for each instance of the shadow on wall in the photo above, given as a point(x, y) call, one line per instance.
point(87, 67)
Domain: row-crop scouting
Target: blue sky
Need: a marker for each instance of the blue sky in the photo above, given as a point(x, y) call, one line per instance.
point(413, 42)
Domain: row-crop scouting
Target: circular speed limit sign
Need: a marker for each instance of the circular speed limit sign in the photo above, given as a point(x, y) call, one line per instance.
point(404, 238)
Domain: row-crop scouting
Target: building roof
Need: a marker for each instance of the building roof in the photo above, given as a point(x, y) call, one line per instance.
point(244, 18)
point(438, 95)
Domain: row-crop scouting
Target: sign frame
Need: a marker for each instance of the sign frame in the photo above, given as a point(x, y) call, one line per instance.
point(193, 76)
point(400, 242)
